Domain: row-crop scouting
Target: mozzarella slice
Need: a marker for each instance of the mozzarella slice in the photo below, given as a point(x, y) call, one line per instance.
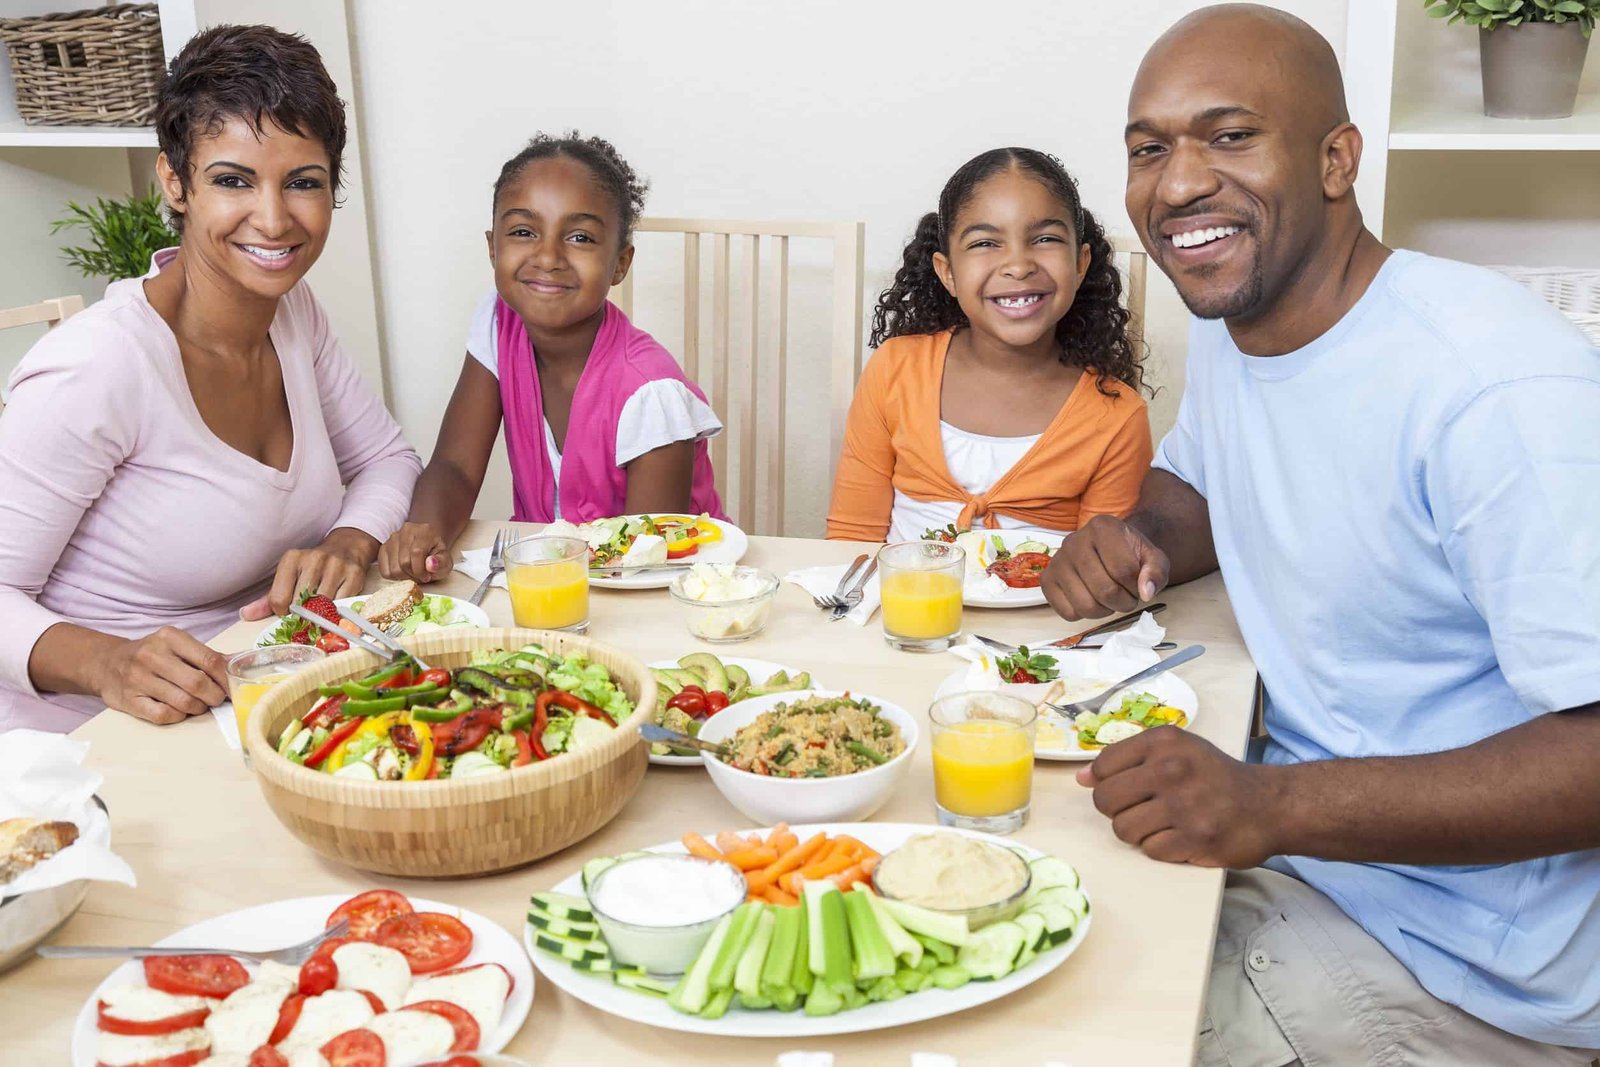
point(273, 971)
point(647, 550)
point(141, 1004)
point(245, 1019)
point(305, 1057)
point(379, 970)
point(413, 1036)
point(480, 991)
point(124, 1050)
point(326, 1017)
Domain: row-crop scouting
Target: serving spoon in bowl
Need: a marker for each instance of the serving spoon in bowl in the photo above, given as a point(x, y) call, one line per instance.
point(652, 732)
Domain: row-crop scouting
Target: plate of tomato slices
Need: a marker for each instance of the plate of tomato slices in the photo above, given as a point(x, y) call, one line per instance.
point(1004, 567)
point(402, 957)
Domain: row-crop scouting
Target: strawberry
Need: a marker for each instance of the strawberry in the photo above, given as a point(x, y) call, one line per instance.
point(300, 637)
point(323, 606)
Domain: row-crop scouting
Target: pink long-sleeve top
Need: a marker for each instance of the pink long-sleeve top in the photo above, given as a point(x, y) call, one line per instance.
point(122, 512)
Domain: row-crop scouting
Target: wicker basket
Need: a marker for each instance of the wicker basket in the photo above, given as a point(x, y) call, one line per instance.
point(1575, 293)
point(96, 67)
point(452, 828)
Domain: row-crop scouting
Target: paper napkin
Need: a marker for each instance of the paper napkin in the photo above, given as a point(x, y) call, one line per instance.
point(822, 581)
point(474, 563)
point(45, 779)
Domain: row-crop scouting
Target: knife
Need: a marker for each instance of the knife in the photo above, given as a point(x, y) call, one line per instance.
point(1076, 640)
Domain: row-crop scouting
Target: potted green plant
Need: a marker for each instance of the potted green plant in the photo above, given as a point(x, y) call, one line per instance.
point(123, 235)
point(1532, 51)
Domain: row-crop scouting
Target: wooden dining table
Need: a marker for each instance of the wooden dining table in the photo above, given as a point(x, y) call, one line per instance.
point(187, 815)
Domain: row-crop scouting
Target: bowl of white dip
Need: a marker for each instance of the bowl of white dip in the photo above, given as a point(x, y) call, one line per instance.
point(656, 911)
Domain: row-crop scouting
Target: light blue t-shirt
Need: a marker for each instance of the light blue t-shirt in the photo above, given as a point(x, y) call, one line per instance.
point(1407, 517)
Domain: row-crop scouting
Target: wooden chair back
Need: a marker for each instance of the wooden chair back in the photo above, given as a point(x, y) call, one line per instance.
point(52, 313)
point(748, 390)
point(1133, 293)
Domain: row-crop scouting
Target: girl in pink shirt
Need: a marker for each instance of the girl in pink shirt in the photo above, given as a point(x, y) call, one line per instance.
point(196, 443)
point(600, 420)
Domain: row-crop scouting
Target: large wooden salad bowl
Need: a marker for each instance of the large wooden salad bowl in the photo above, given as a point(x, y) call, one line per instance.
point(452, 828)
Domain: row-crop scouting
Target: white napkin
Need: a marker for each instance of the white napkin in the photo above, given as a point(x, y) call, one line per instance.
point(45, 779)
point(1131, 650)
point(1126, 652)
point(822, 581)
point(474, 563)
point(228, 724)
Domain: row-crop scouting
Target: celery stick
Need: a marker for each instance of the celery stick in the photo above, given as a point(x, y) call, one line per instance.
point(869, 948)
point(911, 981)
point(747, 976)
point(811, 899)
point(824, 1000)
point(951, 929)
point(942, 952)
point(928, 963)
point(717, 1006)
point(787, 929)
point(694, 988)
point(854, 998)
point(745, 918)
point(884, 989)
point(753, 1003)
point(906, 948)
point(800, 977)
point(829, 931)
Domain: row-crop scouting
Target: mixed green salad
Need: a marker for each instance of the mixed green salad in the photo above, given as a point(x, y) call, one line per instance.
point(1138, 712)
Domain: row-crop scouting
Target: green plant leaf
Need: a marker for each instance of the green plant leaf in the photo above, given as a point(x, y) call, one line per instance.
point(123, 235)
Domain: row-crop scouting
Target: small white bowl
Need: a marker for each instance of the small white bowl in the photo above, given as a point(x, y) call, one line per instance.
point(846, 798)
point(664, 948)
point(727, 621)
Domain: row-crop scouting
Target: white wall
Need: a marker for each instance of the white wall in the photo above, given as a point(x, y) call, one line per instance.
point(826, 109)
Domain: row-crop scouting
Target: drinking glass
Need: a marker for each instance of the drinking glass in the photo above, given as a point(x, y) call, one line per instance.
point(919, 583)
point(548, 578)
point(983, 760)
point(252, 673)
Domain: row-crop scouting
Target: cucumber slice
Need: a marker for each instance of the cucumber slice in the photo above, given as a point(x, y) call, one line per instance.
point(592, 869)
point(587, 732)
point(1059, 920)
point(992, 952)
point(1038, 937)
point(1049, 871)
point(562, 928)
point(606, 966)
point(1071, 899)
point(641, 982)
point(563, 906)
point(573, 951)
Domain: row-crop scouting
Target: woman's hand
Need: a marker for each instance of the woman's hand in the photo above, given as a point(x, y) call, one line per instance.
point(163, 678)
point(416, 551)
point(335, 568)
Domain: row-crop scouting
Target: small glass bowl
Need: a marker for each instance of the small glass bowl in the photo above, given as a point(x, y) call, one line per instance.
point(983, 914)
point(667, 949)
point(727, 621)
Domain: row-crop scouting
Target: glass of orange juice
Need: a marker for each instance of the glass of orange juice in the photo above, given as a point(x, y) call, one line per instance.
point(549, 582)
point(252, 673)
point(983, 760)
point(919, 583)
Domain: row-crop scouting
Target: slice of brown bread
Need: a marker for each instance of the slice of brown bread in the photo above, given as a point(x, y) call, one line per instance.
point(24, 843)
point(392, 603)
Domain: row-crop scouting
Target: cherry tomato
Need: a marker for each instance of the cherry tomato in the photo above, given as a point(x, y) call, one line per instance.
point(195, 976)
point(112, 1024)
point(715, 702)
point(691, 704)
point(288, 1015)
point(356, 1048)
point(331, 643)
point(466, 1027)
point(267, 1056)
point(319, 973)
point(695, 689)
point(367, 911)
point(436, 676)
point(429, 940)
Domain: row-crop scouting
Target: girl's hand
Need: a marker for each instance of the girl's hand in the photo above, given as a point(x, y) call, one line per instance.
point(335, 568)
point(416, 551)
point(163, 678)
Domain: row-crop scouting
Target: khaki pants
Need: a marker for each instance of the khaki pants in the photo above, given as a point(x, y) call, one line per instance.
point(1296, 981)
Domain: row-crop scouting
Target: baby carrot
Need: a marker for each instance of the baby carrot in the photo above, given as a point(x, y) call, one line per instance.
point(831, 865)
point(856, 847)
point(730, 842)
point(849, 876)
point(752, 859)
point(788, 861)
point(869, 865)
point(773, 895)
point(699, 846)
point(783, 842)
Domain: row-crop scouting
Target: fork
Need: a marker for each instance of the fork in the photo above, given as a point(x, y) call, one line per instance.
point(853, 597)
point(832, 601)
point(1094, 703)
point(497, 563)
point(292, 955)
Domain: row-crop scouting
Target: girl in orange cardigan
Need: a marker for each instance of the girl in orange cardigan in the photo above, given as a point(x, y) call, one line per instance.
point(1004, 392)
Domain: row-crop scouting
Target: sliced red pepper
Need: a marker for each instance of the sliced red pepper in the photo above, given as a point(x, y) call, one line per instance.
point(326, 713)
point(524, 749)
point(563, 699)
point(405, 739)
point(433, 769)
point(335, 739)
point(437, 675)
point(715, 702)
point(400, 681)
point(466, 731)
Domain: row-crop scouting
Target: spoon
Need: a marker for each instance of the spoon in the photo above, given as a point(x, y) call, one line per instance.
point(651, 732)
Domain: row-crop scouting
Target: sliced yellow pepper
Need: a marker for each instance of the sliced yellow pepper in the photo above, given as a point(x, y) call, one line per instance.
point(378, 724)
point(423, 760)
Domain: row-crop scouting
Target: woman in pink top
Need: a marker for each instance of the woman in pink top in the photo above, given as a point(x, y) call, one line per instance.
point(600, 419)
point(195, 444)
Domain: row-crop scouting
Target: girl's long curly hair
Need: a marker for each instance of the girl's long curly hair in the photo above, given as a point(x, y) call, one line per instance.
point(1094, 332)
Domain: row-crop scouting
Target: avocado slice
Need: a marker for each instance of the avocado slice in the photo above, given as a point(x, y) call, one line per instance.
point(710, 668)
point(684, 677)
point(738, 682)
point(800, 681)
point(666, 681)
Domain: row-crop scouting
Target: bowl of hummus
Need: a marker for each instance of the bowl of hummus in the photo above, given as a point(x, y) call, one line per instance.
point(955, 873)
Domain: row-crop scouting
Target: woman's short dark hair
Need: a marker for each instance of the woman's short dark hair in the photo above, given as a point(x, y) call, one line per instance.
point(255, 73)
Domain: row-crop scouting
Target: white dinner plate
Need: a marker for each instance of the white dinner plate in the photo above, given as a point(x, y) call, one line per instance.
point(1056, 738)
point(602, 993)
point(286, 922)
point(730, 549)
point(974, 597)
point(759, 669)
point(460, 612)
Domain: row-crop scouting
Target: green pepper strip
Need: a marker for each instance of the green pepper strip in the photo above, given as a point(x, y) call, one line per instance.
point(411, 690)
point(364, 708)
point(433, 696)
point(372, 681)
point(869, 753)
point(460, 704)
point(517, 720)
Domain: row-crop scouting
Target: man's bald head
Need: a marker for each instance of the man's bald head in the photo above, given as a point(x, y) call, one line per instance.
point(1237, 122)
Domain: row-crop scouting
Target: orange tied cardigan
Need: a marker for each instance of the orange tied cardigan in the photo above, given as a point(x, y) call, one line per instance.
point(1090, 460)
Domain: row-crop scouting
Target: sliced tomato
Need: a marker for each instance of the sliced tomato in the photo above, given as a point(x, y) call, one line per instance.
point(288, 1015)
point(1021, 570)
point(267, 1056)
point(400, 681)
point(511, 983)
point(331, 643)
point(461, 1061)
point(367, 911)
point(111, 1024)
point(436, 676)
point(326, 713)
point(524, 749)
point(356, 1048)
point(466, 1027)
point(195, 976)
point(429, 940)
point(465, 732)
point(319, 973)
point(372, 999)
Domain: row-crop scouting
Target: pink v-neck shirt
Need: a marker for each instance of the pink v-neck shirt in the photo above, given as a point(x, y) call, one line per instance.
point(122, 512)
